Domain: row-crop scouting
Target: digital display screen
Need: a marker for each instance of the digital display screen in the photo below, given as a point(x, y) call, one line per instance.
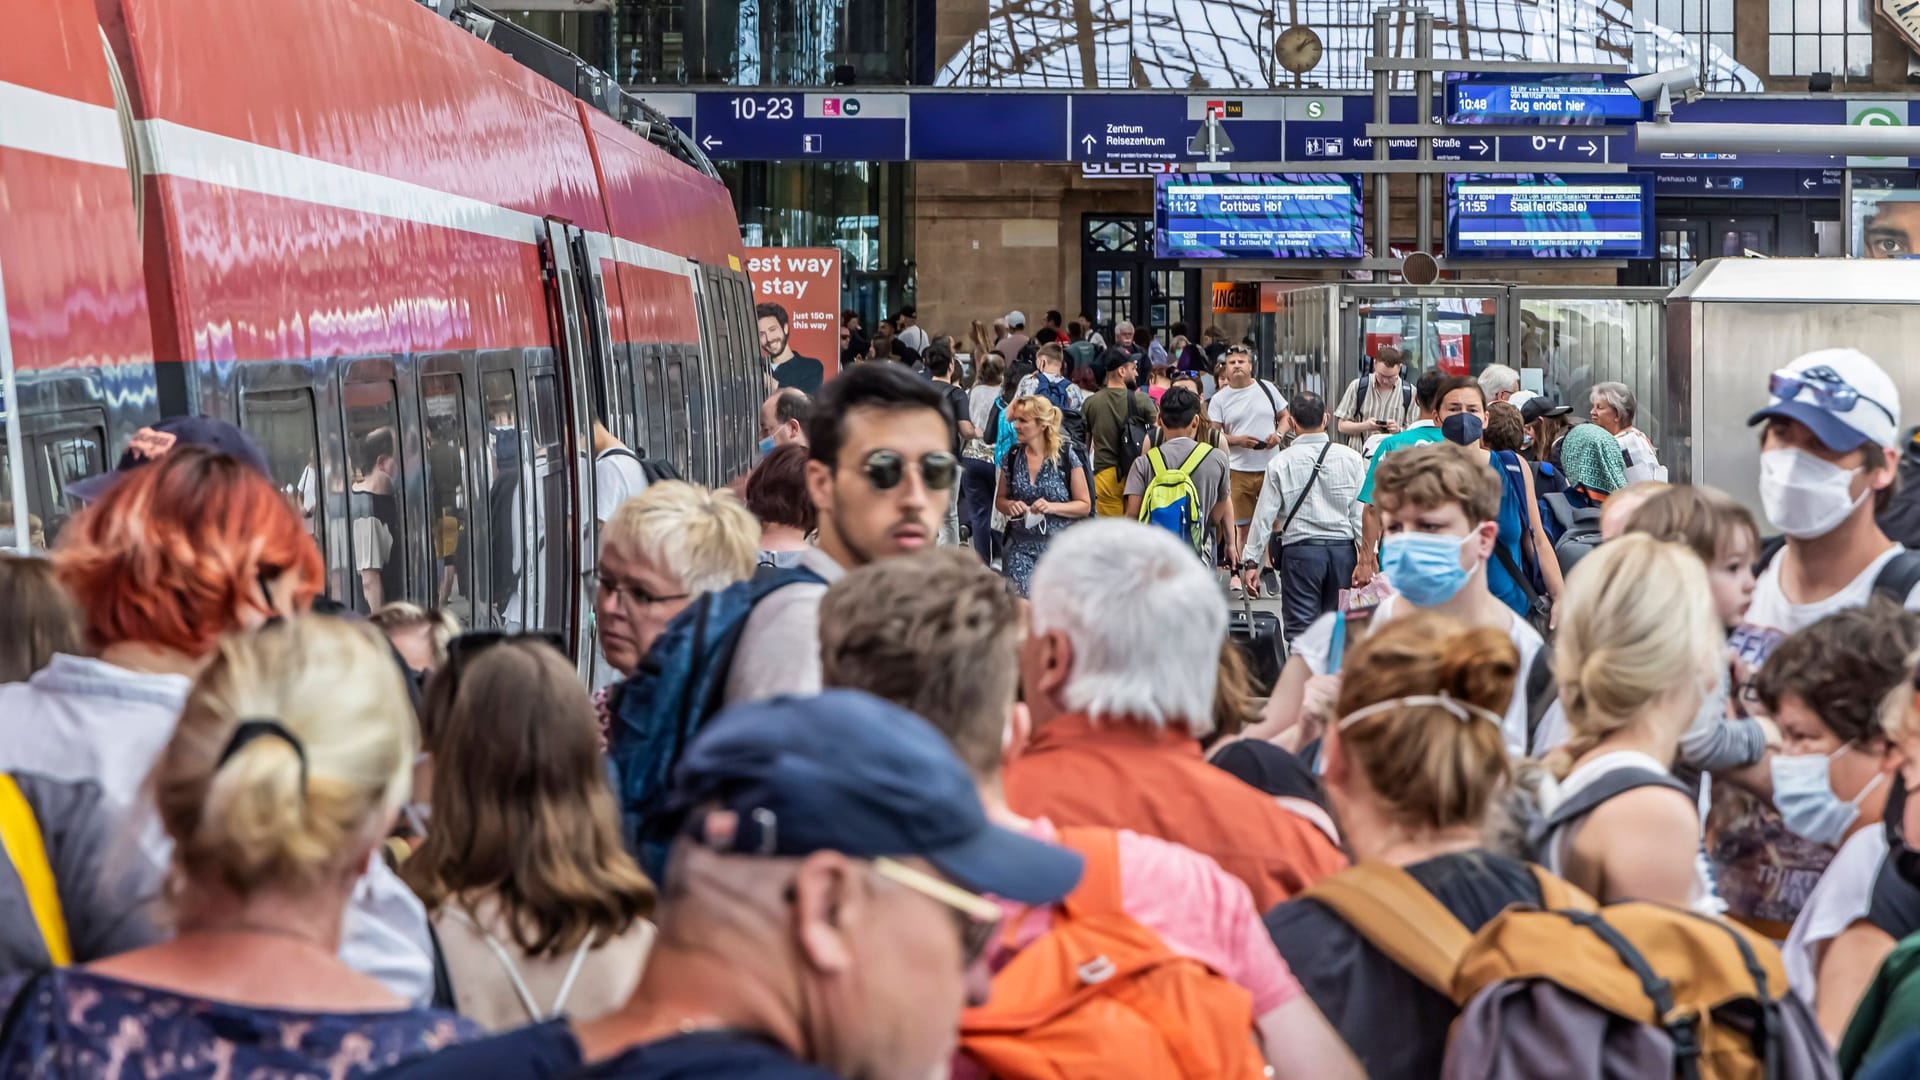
point(1551, 100)
point(1551, 217)
point(1256, 216)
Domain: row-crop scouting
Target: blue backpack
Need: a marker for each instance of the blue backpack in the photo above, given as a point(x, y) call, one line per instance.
point(677, 688)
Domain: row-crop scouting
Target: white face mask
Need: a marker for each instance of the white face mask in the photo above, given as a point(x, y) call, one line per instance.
point(1805, 496)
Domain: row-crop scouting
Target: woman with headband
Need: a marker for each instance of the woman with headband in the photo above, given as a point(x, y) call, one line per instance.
point(1414, 765)
point(291, 758)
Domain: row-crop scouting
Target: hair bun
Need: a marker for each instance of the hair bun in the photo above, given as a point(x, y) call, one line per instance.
point(1479, 667)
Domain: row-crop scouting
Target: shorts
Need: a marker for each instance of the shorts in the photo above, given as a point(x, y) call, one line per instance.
point(1246, 495)
point(1109, 494)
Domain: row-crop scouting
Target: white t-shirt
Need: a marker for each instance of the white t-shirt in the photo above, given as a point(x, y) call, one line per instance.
point(1315, 642)
point(1771, 616)
point(914, 338)
point(617, 477)
point(1837, 902)
point(1247, 411)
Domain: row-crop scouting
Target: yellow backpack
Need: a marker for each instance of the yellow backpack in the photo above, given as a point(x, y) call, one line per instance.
point(27, 851)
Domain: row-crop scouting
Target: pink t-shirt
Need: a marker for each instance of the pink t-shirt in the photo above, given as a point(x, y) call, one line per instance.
point(1198, 909)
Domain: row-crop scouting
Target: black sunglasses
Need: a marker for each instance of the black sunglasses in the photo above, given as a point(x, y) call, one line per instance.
point(464, 648)
point(886, 468)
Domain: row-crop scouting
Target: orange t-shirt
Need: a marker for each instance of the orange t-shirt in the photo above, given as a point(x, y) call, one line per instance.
point(1157, 783)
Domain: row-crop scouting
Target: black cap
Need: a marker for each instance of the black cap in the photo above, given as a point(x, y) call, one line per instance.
point(152, 443)
point(1537, 407)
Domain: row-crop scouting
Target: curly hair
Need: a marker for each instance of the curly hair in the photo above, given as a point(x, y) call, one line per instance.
point(1048, 416)
point(1842, 666)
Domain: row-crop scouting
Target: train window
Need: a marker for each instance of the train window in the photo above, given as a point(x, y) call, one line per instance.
point(625, 424)
point(553, 513)
point(448, 521)
point(506, 500)
point(653, 377)
point(66, 448)
point(684, 424)
point(379, 540)
point(283, 423)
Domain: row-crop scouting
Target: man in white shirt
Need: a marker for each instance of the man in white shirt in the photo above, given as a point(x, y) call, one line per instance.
point(1312, 490)
point(911, 334)
point(1612, 406)
point(1252, 415)
point(617, 475)
point(1827, 461)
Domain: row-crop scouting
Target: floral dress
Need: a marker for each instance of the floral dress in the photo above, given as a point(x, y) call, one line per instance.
point(1024, 545)
point(73, 1024)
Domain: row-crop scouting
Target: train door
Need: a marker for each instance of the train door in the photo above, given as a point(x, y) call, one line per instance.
point(455, 532)
point(612, 379)
point(570, 533)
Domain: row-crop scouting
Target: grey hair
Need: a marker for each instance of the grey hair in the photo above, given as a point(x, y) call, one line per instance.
point(1146, 620)
point(1619, 395)
point(1497, 378)
point(1122, 325)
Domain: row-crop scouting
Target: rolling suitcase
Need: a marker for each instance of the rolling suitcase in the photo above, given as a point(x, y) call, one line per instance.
point(1261, 642)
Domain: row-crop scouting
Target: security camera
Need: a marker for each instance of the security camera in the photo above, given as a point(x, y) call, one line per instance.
point(1679, 81)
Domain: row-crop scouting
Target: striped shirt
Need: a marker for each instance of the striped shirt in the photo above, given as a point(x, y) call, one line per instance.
point(1395, 403)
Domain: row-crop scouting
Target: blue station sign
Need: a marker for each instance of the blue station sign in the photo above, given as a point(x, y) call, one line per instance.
point(1541, 100)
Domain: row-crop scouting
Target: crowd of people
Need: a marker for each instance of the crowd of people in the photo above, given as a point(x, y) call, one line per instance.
point(899, 767)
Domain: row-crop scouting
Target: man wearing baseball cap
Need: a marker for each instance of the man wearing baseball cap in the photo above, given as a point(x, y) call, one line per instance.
point(823, 915)
point(1016, 338)
point(1827, 458)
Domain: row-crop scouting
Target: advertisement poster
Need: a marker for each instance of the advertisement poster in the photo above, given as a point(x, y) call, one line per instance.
point(796, 293)
point(1886, 224)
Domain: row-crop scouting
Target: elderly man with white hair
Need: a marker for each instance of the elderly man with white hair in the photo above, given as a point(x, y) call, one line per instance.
point(1612, 406)
point(1500, 382)
point(1120, 685)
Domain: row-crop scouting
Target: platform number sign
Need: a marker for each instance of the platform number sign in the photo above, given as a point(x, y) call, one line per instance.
point(1905, 17)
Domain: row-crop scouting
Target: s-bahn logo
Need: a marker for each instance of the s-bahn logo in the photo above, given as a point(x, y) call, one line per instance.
point(840, 106)
point(1226, 110)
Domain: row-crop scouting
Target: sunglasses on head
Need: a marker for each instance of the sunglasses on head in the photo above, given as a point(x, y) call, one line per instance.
point(886, 468)
point(1825, 386)
point(464, 648)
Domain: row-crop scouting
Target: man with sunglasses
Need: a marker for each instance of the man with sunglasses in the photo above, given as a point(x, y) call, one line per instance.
point(1827, 464)
point(882, 466)
point(823, 918)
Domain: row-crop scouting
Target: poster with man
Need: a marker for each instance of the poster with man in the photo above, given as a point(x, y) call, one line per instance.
point(796, 293)
point(1886, 224)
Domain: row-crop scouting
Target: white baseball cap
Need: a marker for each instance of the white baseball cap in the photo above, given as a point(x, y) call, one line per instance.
point(1016, 319)
point(1841, 395)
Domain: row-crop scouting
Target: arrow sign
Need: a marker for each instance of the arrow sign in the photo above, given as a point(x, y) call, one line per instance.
point(1807, 184)
point(1478, 147)
point(1589, 147)
point(1088, 141)
point(710, 142)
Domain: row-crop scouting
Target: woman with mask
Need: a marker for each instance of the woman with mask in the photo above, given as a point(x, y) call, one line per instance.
point(1639, 644)
point(1882, 1038)
point(1440, 509)
point(1511, 572)
point(1824, 688)
point(1827, 466)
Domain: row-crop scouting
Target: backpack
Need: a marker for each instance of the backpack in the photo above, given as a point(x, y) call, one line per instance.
point(677, 688)
point(26, 851)
point(1579, 529)
point(1360, 396)
point(1577, 991)
point(653, 469)
point(1073, 422)
point(1133, 438)
point(1542, 692)
point(1101, 995)
point(1171, 501)
point(1894, 581)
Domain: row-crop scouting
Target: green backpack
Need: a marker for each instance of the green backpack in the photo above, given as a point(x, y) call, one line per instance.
point(1171, 500)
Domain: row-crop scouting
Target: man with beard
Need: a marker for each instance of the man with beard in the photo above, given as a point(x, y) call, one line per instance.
point(803, 373)
point(881, 468)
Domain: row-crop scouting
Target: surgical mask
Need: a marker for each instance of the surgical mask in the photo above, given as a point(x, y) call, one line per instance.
point(1462, 429)
point(766, 446)
point(1462, 711)
point(1805, 496)
point(1426, 569)
point(1803, 793)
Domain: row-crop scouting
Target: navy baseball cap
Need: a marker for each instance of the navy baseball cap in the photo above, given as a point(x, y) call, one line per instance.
point(1841, 395)
point(152, 443)
point(845, 771)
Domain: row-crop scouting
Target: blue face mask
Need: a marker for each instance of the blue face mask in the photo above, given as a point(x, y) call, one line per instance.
point(1803, 793)
point(1425, 568)
point(766, 446)
point(1462, 428)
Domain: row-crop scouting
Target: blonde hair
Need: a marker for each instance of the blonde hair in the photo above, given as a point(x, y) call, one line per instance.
point(244, 819)
point(400, 616)
point(1637, 623)
point(1428, 767)
point(1048, 416)
point(705, 538)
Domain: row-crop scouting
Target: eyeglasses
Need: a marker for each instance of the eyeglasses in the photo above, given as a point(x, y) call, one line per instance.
point(886, 468)
point(635, 594)
point(1829, 390)
point(976, 916)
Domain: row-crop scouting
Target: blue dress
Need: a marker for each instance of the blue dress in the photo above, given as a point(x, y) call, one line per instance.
point(1024, 545)
point(1513, 529)
point(79, 1025)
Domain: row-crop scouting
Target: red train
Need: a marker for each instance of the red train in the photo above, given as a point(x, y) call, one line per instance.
point(413, 268)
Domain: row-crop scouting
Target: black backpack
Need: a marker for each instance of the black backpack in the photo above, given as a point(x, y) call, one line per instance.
point(1133, 438)
point(1360, 396)
point(1073, 422)
point(652, 468)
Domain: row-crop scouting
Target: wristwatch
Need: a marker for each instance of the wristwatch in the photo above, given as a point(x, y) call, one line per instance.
point(1250, 564)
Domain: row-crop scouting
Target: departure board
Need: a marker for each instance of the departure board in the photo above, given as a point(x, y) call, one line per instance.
point(1541, 100)
point(1551, 217)
point(1256, 216)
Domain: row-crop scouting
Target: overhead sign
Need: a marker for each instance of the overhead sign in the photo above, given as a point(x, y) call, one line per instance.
point(1750, 183)
point(781, 126)
point(1159, 127)
point(1256, 216)
point(1541, 99)
point(1607, 216)
point(802, 284)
